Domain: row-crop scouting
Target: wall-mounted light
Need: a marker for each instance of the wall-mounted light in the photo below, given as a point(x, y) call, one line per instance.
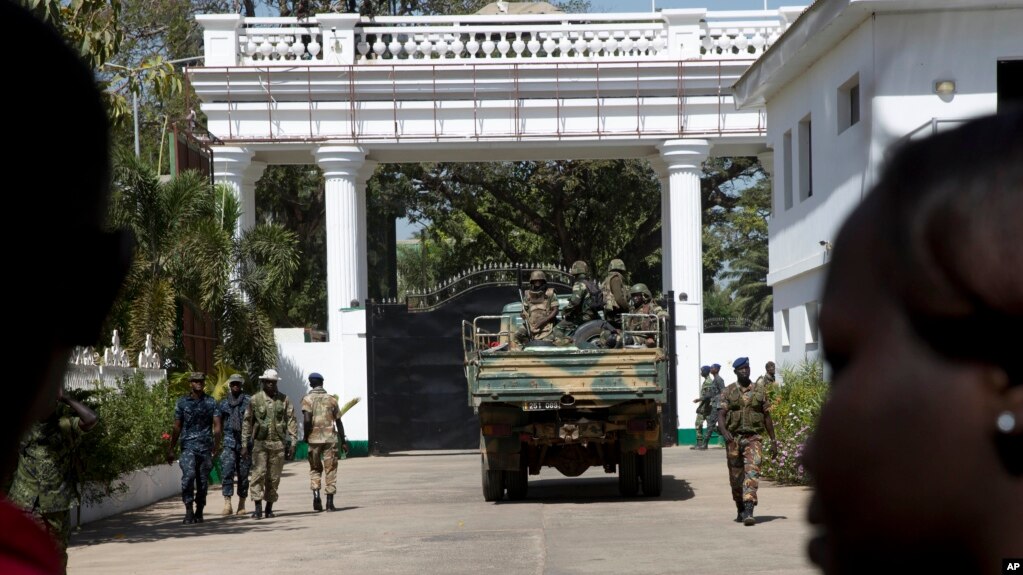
point(826, 245)
point(683, 296)
point(945, 88)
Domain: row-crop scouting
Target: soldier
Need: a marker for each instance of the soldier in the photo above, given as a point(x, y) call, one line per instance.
point(271, 429)
point(642, 303)
point(231, 412)
point(195, 415)
point(768, 381)
point(744, 416)
point(717, 387)
point(703, 409)
point(616, 299)
point(44, 482)
point(585, 304)
point(539, 309)
point(322, 426)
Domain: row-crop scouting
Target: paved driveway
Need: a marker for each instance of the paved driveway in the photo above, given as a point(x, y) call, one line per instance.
point(424, 513)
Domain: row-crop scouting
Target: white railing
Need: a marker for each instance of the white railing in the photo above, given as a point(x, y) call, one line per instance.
point(87, 369)
point(347, 39)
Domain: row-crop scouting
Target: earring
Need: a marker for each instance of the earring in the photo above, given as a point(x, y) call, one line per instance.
point(1006, 422)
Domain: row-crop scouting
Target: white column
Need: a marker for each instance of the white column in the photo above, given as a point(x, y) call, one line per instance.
point(340, 165)
point(767, 161)
point(683, 160)
point(365, 173)
point(230, 165)
point(248, 194)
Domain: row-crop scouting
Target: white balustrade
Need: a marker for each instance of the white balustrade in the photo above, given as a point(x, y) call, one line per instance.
point(560, 37)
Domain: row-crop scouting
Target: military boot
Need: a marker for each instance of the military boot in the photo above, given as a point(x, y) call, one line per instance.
point(227, 507)
point(747, 515)
point(189, 515)
point(699, 440)
point(317, 504)
point(241, 506)
point(198, 513)
point(330, 502)
point(740, 510)
point(269, 509)
point(258, 513)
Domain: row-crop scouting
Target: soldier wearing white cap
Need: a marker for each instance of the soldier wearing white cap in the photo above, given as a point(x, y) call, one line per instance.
point(271, 427)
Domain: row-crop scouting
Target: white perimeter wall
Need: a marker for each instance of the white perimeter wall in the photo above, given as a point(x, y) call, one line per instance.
point(723, 348)
point(342, 365)
point(145, 486)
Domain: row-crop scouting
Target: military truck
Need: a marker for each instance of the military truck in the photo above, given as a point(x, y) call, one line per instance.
point(569, 407)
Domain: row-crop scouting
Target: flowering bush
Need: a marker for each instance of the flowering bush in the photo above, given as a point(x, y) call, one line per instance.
point(797, 405)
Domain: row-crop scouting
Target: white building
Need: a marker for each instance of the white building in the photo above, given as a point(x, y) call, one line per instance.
point(845, 81)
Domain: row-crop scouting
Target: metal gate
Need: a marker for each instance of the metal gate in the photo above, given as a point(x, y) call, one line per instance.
point(418, 395)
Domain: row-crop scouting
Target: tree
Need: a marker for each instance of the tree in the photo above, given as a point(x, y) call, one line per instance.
point(187, 254)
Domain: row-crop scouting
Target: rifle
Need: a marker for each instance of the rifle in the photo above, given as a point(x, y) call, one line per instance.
point(525, 318)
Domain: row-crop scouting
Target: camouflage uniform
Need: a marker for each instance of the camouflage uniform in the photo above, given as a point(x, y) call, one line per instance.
point(44, 481)
point(616, 296)
point(269, 424)
point(538, 306)
point(578, 310)
point(196, 459)
point(323, 439)
point(744, 419)
point(708, 392)
point(232, 413)
point(646, 324)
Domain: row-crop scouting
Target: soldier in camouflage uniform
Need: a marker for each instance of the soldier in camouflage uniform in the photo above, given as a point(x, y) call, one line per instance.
point(195, 415)
point(769, 382)
point(642, 302)
point(44, 481)
point(539, 310)
point(717, 387)
point(231, 412)
point(581, 306)
point(745, 416)
point(322, 426)
point(703, 409)
point(616, 297)
point(271, 429)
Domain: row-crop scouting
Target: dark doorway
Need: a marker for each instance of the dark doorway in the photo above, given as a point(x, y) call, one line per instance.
point(1010, 84)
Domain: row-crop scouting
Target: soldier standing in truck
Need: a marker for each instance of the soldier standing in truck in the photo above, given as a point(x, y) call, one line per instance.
point(539, 310)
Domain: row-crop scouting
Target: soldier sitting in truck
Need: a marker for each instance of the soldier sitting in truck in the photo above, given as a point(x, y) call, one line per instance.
point(585, 304)
point(539, 310)
point(647, 313)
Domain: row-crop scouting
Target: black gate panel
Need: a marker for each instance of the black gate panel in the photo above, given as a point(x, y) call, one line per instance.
point(418, 396)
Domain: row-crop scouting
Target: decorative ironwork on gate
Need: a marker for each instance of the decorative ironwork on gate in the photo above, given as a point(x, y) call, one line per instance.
point(486, 275)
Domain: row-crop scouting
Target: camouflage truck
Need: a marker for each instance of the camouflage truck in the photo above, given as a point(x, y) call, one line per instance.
point(569, 407)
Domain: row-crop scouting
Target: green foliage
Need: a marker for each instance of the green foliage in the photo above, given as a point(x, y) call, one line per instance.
point(797, 406)
point(348, 405)
point(128, 436)
point(187, 254)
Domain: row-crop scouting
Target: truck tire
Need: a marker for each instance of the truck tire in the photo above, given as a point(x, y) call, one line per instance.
point(588, 332)
point(628, 476)
point(517, 483)
point(493, 482)
point(652, 473)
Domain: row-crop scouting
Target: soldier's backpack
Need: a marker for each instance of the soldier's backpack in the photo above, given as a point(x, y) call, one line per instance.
point(610, 303)
point(596, 295)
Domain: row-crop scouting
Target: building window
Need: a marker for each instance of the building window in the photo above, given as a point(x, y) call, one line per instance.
point(1010, 84)
point(811, 331)
point(849, 103)
point(805, 158)
point(785, 329)
point(787, 165)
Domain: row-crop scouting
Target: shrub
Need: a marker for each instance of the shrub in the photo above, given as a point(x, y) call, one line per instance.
point(797, 405)
point(131, 434)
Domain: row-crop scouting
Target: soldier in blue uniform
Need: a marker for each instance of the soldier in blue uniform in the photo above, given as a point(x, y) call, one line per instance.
point(198, 427)
point(231, 413)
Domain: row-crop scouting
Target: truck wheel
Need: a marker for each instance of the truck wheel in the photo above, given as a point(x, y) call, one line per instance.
point(518, 484)
point(493, 482)
point(628, 480)
point(588, 332)
point(652, 473)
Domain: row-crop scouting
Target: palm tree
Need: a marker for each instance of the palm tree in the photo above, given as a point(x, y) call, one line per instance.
point(187, 254)
point(753, 297)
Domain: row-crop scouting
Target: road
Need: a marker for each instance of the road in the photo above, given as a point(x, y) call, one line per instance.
point(424, 513)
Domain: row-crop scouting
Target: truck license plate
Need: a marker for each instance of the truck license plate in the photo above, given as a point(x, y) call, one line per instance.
point(541, 405)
